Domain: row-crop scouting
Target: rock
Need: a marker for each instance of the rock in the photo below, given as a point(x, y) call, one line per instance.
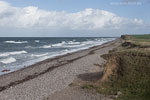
point(123, 36)
point(112, 96)
point(119, 93)
point(5, 70)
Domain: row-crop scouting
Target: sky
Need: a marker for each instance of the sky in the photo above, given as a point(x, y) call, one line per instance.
point(73, 18)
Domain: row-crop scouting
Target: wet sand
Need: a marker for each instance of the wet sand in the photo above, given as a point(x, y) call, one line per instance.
point(43, 79)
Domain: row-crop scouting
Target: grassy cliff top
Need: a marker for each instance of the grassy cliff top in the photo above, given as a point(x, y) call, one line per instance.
point(140, 40)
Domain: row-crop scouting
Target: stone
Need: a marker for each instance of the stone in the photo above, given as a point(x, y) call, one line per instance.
point(5, 70)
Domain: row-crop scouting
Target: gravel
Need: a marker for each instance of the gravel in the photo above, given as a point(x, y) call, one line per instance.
point(47, 82)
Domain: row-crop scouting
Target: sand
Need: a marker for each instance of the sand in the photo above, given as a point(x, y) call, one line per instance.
point(44, 79)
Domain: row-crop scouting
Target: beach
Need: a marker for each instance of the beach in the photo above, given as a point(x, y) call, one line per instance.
point(44, 79)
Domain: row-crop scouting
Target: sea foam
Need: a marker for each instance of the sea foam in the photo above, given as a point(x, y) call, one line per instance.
point(37, 40)
point(5, 54)
point(39, 55)
point(17, 42)
point(8, 60)
point(46, 46)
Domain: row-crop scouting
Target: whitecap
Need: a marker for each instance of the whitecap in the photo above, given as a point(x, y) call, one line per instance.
point(46, 46)
point(12, 53)
point(73, 43)
point(28, 47)
point(63, 44)
point(8, 60)
point(88, 42)
point(58, 44)
point(54, 45)
point(40, 55)
point(18, 42)
point(37, 40)
point(71, 46)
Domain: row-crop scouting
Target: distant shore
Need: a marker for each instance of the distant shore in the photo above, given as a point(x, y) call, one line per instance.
point(43, 71)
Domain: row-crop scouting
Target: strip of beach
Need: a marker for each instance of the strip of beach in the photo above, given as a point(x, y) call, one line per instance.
point(44, 80)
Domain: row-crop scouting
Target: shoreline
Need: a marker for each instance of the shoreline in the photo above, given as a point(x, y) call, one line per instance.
point(36, 61)
point(55, 57)
point(43, 67)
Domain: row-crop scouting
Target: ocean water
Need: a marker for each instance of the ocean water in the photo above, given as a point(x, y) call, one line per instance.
point(16, 53)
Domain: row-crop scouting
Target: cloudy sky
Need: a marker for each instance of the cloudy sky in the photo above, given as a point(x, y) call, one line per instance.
point(73, 18)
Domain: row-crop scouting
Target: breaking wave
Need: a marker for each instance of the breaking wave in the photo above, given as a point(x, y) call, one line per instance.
point(40, 55)
point(37, 40)
point(46, 46)
point(12, 53)
point(8, 60)
point(17, 42)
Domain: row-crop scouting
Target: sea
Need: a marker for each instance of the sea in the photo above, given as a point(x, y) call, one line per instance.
point(19, 52)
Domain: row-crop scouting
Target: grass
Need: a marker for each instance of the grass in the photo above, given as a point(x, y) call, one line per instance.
point(89, 86)
point(146, 36)
point(132, 74)
point(142, 40)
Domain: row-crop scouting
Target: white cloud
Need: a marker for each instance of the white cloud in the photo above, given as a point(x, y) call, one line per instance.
point(88, 19)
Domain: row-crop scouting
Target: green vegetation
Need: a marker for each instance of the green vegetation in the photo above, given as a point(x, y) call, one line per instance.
point(146, 36)
point(139, 40)
point(89, 86)
point(131, 76)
